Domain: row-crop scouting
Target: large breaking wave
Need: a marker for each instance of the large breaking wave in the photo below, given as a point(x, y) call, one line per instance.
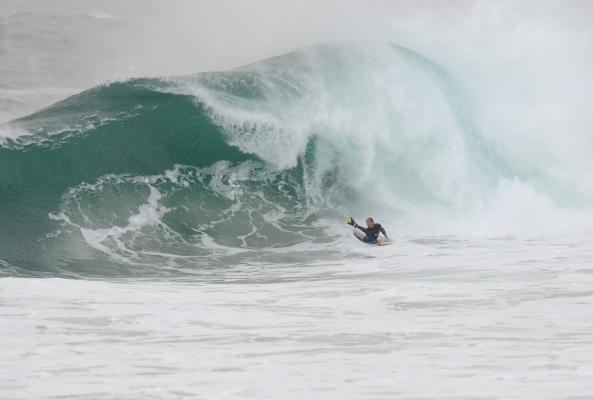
point(222, 168)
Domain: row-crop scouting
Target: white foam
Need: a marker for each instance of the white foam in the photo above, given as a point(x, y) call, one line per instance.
point(392, 122)
point(435, 319)
point(110, 240)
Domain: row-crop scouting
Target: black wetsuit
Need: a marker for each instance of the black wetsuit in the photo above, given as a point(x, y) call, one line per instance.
point(372, 234)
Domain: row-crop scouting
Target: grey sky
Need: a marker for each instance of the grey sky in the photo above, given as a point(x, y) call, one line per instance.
point(484, 41)
point(185, 36)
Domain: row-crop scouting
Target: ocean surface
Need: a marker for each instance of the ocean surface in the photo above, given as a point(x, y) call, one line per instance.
point(184, 236)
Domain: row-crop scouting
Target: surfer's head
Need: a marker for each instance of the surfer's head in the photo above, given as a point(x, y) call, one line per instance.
point(370, 222)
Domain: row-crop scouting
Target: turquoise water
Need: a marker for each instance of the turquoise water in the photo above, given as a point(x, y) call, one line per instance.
point(128, 176)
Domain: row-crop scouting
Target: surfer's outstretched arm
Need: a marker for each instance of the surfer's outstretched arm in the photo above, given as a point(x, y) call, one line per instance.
point(355, 225)
point(384, 233)
point(361, 228)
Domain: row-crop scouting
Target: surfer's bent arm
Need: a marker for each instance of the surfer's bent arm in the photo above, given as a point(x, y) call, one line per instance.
point(384, 233)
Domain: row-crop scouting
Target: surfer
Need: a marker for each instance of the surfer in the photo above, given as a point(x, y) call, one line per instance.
point(371, 232)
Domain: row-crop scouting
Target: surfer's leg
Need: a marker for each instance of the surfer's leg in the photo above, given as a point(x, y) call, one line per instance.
point(359, 235)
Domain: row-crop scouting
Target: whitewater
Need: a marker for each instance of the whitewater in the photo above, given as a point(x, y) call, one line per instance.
point(167, 236)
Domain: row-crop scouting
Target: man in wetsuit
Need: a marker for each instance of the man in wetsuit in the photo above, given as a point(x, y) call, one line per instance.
point(371, 232)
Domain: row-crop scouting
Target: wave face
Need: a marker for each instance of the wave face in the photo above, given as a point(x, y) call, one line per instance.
point(171, 176)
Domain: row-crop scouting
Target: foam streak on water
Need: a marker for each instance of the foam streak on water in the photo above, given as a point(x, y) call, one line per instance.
point(441, 320)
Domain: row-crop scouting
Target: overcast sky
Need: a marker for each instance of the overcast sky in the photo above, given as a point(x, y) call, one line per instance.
point(493, 44)
point(192, 35)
